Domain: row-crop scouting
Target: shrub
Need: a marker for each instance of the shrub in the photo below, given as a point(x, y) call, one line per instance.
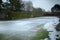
point(58, 27)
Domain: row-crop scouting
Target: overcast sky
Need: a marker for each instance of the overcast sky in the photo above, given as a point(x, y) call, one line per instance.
point(44, 4)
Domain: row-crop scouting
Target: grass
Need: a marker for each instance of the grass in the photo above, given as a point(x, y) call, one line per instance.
point(40, 35)
point(9, 37)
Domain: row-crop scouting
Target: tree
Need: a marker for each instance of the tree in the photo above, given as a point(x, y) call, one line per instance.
point(16, 4)
point(28, 6)
point(0, 4)
point(55, 8)
point(37, 12)
point(0, 1)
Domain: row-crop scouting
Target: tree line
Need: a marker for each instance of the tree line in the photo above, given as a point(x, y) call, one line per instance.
point(17, 9)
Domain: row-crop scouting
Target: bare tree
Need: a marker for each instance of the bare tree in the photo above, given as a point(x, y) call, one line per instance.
point(28, 6)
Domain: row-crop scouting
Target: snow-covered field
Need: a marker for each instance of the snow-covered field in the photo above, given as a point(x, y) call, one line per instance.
point(27, 27)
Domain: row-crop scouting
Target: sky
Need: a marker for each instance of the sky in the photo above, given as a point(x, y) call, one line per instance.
point(44, 4)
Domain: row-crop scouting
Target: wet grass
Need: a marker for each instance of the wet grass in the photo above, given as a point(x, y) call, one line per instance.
point(41, 35)
point(9, 37)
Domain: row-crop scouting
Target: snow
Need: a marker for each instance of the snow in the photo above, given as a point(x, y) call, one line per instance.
point(27, 27)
